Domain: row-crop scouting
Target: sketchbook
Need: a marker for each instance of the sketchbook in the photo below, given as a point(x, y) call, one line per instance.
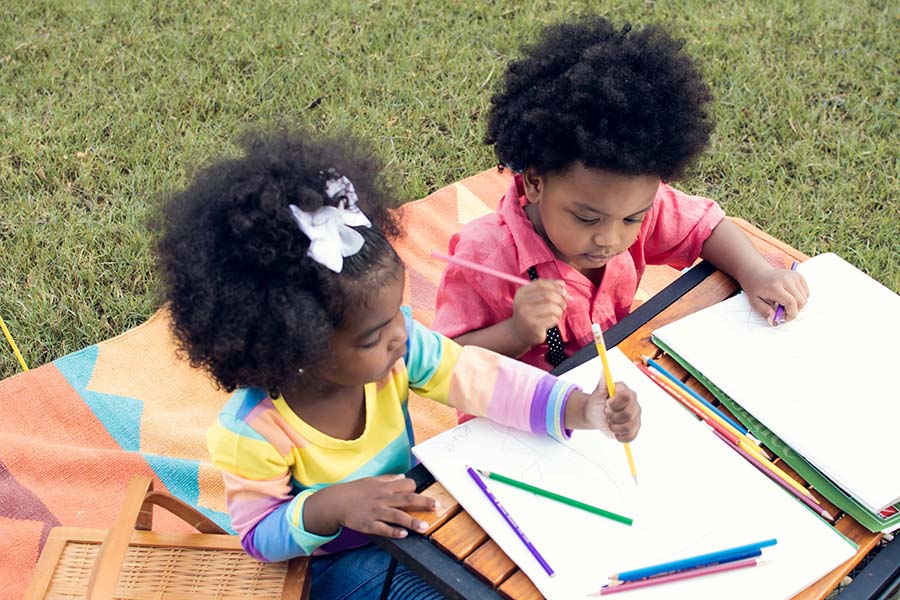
point(695, 495)
point(822, 383)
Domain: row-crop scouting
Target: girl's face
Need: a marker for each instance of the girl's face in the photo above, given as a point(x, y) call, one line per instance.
point(372, 338)
point(588, 216)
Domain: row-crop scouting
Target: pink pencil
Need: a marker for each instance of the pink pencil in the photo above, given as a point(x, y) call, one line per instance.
point(480, 268)
point(690, 573)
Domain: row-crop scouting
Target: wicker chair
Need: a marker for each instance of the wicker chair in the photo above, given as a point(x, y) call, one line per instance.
point(130, 561)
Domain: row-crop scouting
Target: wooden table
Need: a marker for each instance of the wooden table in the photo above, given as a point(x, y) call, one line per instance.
point(456, 555)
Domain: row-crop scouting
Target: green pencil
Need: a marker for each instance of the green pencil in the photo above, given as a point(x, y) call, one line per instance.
point(553, 496)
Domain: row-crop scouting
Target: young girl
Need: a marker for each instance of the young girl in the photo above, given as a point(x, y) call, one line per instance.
point(282, 284)
point(594, 120)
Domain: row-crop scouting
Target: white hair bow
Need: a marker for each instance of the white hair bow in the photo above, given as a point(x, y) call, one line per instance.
point(329, 228)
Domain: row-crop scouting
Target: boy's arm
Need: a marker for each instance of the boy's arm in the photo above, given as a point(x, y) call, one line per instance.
point(537, 307)
point(463, 314)
point(501, 337)
point(730, 250)
point(482, 310)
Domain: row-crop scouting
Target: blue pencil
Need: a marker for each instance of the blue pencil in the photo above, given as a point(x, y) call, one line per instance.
point(694, 394)
point(484, 488)
point(717, 557)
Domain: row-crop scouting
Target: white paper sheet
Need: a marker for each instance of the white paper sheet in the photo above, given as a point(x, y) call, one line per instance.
point(824, 383)
point(694, 495)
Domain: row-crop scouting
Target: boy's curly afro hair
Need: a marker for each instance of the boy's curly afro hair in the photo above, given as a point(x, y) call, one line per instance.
point(247, 303)
point(628, 101)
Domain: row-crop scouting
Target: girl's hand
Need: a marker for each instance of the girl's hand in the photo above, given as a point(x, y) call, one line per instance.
point(537, 307)
point(768, 288)
point(619, 416)
point(376, 505)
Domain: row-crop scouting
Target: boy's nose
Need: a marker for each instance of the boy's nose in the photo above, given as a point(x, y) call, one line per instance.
point(607, 240)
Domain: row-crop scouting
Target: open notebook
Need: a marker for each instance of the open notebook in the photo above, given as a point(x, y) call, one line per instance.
point(825, 384)
point(695, 495)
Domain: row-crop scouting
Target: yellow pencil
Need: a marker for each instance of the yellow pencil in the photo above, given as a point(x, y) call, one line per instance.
point(12, 344)
point(611, 387)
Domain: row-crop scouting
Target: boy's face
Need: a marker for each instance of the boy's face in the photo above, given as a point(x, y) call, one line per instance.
point(372, 339)
point(588, 216)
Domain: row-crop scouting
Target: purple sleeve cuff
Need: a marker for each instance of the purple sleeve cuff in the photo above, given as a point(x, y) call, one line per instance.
point(548, 407)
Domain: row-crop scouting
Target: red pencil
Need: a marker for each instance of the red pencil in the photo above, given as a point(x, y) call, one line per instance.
point(689, 574)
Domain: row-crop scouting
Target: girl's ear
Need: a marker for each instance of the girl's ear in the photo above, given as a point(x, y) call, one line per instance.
point(534, 185)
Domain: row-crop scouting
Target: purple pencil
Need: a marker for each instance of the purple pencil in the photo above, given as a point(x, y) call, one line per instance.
point(484, 488)
point(752, 460)
point(779, 310)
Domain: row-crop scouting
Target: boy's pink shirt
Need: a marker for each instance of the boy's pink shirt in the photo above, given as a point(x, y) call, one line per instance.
point(673, 233)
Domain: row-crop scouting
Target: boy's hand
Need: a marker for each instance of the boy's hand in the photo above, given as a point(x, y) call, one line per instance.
point(537, 307)
point(768, 288)
point(375, 505)
point(619, 416)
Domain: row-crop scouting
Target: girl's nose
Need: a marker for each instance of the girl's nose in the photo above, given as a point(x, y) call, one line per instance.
point(398, 334)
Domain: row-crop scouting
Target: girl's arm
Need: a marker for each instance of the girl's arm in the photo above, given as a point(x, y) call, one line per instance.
point(371, 505)
point(273, 520)
point(484, 383)
point(264, 510)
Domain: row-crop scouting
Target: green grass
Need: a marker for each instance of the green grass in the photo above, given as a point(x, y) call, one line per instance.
point(104, 106)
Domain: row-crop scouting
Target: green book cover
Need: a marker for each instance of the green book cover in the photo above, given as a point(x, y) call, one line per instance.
point(810, 473)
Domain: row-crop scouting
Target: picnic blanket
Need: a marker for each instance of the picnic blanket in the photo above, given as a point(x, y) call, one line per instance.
point(73, 432)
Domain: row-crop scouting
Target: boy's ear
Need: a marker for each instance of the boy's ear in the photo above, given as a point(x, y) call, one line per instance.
point(533, 184)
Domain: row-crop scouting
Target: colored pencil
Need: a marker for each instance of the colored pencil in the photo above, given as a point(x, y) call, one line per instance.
point(778, 319)
point(695, 407)
point(681, 576)
point(811, 503)
point(506, 516)
point(728, 432)
point(12, 344)
point(558, 497)
point(693, 394)
point(776, 470)
point(713, 415)
point(691, 562)
point(480, 268)
point(734, 557)
point(611, 387)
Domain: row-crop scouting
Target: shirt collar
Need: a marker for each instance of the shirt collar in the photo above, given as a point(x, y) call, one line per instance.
point(531, 248)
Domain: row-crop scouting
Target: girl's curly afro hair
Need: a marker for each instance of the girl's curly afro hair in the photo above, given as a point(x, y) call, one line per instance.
point(247, 303)
point(628, 101)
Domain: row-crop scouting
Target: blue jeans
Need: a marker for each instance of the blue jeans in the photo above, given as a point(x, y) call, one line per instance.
point(359, 574)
